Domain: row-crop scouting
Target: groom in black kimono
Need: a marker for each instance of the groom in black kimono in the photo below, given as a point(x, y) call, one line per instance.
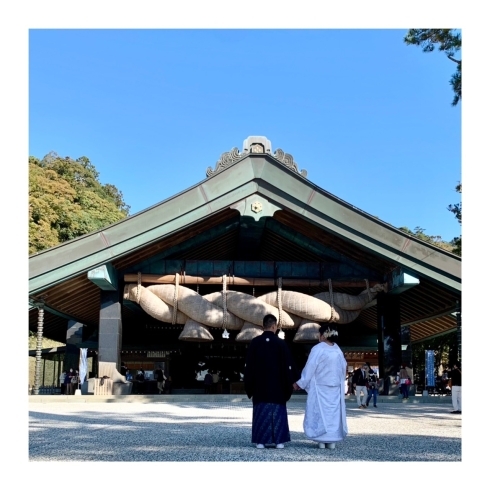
point(268, 382)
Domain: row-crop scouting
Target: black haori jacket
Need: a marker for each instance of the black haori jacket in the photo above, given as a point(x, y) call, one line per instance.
point(269, 370)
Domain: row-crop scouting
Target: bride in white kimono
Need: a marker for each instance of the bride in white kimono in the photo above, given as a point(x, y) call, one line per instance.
point(323, 379)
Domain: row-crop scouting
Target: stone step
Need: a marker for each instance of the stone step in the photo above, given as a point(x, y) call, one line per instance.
point(190, 397)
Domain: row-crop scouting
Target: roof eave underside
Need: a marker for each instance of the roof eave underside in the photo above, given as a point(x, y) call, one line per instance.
point(255, 176)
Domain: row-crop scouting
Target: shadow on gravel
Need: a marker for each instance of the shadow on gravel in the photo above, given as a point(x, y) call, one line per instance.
point(153, 435)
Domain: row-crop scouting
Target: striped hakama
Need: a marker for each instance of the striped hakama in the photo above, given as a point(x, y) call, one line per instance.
point(270, 424)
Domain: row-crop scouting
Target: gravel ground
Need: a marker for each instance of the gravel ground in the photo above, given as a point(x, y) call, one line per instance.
point(221, 431)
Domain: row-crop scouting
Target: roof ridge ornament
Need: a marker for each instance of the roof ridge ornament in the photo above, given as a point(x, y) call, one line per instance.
point(226, 160)
point(256, 145)
point(288, 160)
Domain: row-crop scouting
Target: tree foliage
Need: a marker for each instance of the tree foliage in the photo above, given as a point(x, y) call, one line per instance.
point(419, 233)
point(66, 200)
point(445, 349)
point(457, 210)
point(449, 42)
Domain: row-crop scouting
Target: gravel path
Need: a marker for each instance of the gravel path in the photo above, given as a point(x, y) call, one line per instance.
point(221, 431)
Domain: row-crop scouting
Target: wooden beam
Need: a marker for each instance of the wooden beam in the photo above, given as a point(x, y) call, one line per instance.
point(423, 319)
point(244, 281)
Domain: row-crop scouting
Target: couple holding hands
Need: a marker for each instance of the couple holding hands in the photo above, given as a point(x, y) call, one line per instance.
point(270, 380)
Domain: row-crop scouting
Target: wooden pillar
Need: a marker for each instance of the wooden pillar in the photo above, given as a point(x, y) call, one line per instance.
point(110, 328)
point(74, 337)
point(389, 341)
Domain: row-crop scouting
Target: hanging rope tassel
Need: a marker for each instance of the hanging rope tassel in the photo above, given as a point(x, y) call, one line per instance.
point(368, 290)
point(176, 298)
point(330, 290)
point(138, 290)
point(225, 332)
point(279, 306)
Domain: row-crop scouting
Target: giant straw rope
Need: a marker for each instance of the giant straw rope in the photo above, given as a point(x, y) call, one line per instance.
point(233, 310)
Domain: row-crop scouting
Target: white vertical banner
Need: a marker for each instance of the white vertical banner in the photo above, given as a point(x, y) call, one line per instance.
point(82, 368)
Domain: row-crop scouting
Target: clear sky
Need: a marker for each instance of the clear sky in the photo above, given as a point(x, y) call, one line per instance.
point(367, 116)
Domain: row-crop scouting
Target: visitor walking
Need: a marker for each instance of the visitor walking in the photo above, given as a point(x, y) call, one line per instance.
point(404, 383)
point(359, 382)
point(372, 386)
point(455, 377)
point(160, 379)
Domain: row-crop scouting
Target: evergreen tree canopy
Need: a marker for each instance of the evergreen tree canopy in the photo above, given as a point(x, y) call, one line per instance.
point(457, 210)
point(449, 42)
point(419, 233)
point(66, 200)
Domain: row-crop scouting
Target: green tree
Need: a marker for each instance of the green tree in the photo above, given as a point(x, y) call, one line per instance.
point(457, 210)
point(445, 349)
point(66, 200)
point(419, 233)
point(449, 42)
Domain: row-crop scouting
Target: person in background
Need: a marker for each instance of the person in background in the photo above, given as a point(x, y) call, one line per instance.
point(160, 379)
point(323, 378)
point(140, 382)
point(124, 369)
point(350, 389)
point(62, 382)
point(75, 380)
point(372, 387)
point(68, 385)
point(445, 389)
point(268, 382)
point(359, 382)
point(226, 382)
point(404, 386)
point(208, 383)
point(216, 379)
point(455, 377)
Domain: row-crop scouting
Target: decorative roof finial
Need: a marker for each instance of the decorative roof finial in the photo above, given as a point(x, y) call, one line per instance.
point(254, 145)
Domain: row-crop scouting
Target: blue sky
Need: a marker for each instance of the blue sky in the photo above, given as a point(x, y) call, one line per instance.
point(368, 117)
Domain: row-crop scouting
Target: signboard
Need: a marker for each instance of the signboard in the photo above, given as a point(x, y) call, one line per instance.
point(429, 368)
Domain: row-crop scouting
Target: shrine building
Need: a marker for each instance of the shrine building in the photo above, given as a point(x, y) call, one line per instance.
point(185, 283)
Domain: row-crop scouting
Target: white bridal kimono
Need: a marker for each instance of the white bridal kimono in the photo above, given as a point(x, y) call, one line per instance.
point(323, 378)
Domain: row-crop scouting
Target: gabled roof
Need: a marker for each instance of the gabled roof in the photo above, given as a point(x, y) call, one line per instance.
point(262, 198)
